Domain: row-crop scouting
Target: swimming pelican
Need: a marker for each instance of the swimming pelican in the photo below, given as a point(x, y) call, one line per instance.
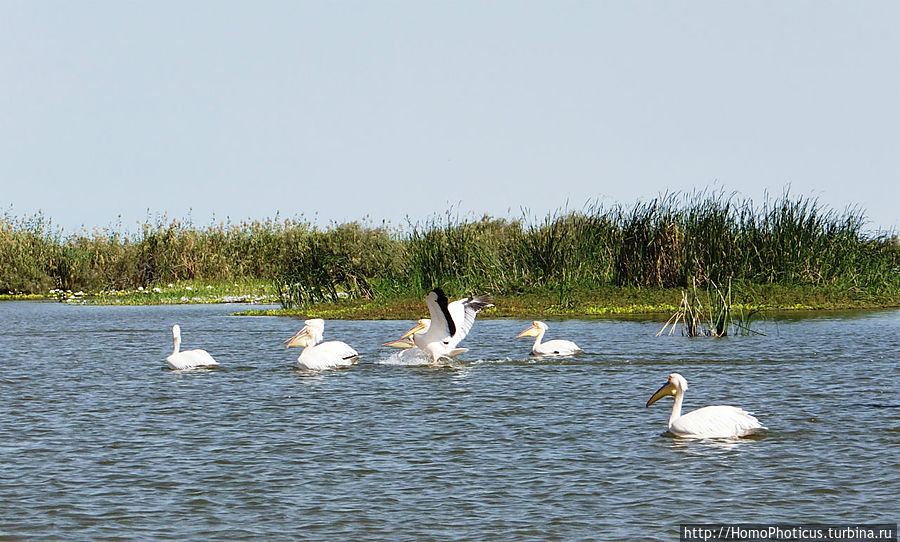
point(410, 350)
point(449, 324)
point(556, 347)
point(718, 421)
point(406, 340)
point(413, 352)
point(317, 354)
point(189, 359)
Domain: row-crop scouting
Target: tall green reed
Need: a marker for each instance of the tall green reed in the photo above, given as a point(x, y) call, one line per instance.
point(666, 242)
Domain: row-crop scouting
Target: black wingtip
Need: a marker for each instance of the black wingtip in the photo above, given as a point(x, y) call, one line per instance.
point(479, 302)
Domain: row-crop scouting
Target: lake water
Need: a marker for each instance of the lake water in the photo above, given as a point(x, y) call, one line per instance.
point(99, 440)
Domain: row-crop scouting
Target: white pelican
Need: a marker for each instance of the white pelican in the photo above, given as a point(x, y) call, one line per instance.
point(406, 340)
point(410, 350)
point(318, 355)
point(449, 324)
point(189, 359)
point(418, 332)
point(718, 421)
point(556, 347)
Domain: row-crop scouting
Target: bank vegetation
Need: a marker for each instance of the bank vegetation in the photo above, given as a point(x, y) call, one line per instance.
point(566, 259)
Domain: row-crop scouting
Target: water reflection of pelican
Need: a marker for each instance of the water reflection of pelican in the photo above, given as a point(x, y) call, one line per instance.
point(716, 446)
point(718, 421)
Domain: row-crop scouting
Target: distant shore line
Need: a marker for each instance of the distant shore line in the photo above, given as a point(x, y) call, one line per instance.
point(608, 302)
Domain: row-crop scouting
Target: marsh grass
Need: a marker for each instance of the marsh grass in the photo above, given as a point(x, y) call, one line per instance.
point(708, 310)
point(321, 270)
point(665, 243)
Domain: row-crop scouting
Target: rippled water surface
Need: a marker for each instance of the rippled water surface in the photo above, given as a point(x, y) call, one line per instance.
point(99, 440)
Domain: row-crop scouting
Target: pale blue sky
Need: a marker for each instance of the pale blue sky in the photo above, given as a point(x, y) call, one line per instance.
point(347, 110)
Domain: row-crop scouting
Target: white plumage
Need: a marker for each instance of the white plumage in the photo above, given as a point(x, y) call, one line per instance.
point(449, 324)
point(555, 347)
point(317, 354)
point(189, 359)
point(718, 421)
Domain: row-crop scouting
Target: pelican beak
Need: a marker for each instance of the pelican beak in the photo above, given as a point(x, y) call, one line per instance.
point(666, 390)
point(417, 328)
point(400, 343)
point(529, 332)
point(300, 339)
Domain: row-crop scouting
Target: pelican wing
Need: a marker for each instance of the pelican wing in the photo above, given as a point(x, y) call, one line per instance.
point(442, 325)
point(718, 421)
point(463, 313)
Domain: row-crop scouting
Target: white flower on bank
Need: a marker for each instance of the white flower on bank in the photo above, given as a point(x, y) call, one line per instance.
point(158, 290)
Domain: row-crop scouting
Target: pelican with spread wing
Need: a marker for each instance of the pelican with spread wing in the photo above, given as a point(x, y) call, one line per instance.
point(449, 324)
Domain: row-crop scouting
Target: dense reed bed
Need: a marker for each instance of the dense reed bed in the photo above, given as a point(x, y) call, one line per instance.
point(668, 242)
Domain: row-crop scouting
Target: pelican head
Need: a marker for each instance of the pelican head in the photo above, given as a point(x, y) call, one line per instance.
point(676, 384)
point(421, 325)
point(311, 334)
point(537, 328)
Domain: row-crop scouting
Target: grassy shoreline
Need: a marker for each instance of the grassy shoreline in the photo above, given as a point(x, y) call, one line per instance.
point(606, 302)
point(786, 253)
point(612, 302)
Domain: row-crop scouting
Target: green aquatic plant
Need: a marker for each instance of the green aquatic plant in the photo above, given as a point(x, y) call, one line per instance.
point(710, 312)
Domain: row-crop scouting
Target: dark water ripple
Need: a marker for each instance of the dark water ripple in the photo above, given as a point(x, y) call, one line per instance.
point(99, 441)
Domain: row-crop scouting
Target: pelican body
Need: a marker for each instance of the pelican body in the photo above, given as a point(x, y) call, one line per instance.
point(317, 354)
point(718, 421)
point(449, 324)
point(555, 347)
point(188, 359)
